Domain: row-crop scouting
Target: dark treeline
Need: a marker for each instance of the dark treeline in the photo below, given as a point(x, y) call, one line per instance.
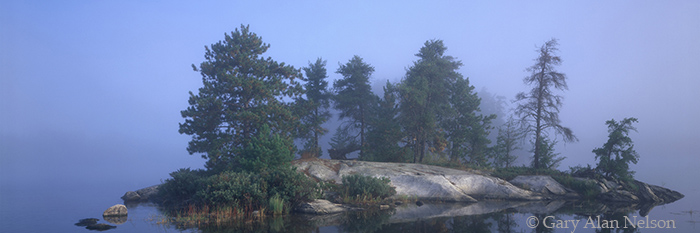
point(433, 114)
point(245, 119)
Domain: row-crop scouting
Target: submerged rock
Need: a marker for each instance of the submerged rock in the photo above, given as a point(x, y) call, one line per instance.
point(321, 206)
point(87, 222)
point(115, 210)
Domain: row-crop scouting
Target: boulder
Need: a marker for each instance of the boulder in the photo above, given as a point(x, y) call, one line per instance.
point(321, 206)
point(116, 210)
point(148, 193)
point(666, 195)
point(131, 196)
point(424, 182)
point(141, 195)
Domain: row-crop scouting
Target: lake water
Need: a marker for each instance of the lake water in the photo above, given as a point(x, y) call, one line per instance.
point(48, 188)
point(56, 207)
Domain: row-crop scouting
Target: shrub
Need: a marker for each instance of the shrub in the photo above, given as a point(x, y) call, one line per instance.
point(179, 190)
point(367, 186)
point(237, 189)
point(292, 186)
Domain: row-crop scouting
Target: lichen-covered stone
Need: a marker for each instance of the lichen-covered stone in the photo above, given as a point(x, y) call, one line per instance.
point(419, 181)
point(116, 210)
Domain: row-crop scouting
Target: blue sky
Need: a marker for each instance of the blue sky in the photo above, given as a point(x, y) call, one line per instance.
point(103, 81)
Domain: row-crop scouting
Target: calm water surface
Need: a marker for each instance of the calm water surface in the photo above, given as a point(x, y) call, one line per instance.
point(52, 207)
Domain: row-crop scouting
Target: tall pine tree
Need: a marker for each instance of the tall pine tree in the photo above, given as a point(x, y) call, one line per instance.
point(315, 106)
point(539, 109)
point(242, 92)
point(424, 95)
point(354, 97)
point(384, 133)
point(467, 129)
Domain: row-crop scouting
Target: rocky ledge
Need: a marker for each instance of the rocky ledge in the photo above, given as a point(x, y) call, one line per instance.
point(433, 183)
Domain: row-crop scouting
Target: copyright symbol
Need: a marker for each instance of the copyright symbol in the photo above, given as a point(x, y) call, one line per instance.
point(532, 222)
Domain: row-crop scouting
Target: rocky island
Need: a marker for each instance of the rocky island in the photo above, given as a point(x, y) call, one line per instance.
point(479, 191)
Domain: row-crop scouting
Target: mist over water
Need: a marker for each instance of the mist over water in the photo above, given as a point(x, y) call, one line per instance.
point(91, 92)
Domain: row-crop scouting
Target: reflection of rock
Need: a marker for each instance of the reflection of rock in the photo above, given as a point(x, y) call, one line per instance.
point(409, 213)
point(144, 194)
point(423, 182)
point(91, 224)
point(100, 227)
point(116, 219)
point(539, 184)
point(116, 210)
point(321, 206)
point(87, 222)
point(541, 207)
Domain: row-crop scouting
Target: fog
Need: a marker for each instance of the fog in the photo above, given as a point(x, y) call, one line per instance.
point(92, 91)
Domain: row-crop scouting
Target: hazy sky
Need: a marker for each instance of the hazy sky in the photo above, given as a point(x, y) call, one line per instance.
point(103, 82)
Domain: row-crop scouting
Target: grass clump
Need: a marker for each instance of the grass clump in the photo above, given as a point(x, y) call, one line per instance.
point(359, 189)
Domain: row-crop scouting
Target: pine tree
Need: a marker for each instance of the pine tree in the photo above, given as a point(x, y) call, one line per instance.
point(539, 109)
point(315, 106)
point(506, 143)
point(242, 92)
point(384, 133)
point(354, 96)
point(424, 98)
point(616, 154)
point(467, 130)
point(548, 158)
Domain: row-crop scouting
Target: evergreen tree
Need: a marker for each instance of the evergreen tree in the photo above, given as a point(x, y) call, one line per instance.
point(354, 96)
point(424, 98)
point(506, 143)
point(467, 130)
point(342, 143)
point(548, 158)
point(266, 151)
point(315, 105)
point(539, 109)
point(384, 133)
point(242, 92)
point(616, 154)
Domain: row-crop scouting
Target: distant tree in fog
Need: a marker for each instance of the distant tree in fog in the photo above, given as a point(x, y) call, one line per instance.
point(507, 142)
point(538, 109)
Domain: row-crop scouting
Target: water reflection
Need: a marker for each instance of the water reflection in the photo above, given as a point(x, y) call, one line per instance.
point(487, 216)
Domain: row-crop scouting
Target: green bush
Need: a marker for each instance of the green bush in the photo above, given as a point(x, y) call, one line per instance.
point(292, 186)
point(240, 191)
point(237, 189)
point(179, 190)
point(367, 186)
